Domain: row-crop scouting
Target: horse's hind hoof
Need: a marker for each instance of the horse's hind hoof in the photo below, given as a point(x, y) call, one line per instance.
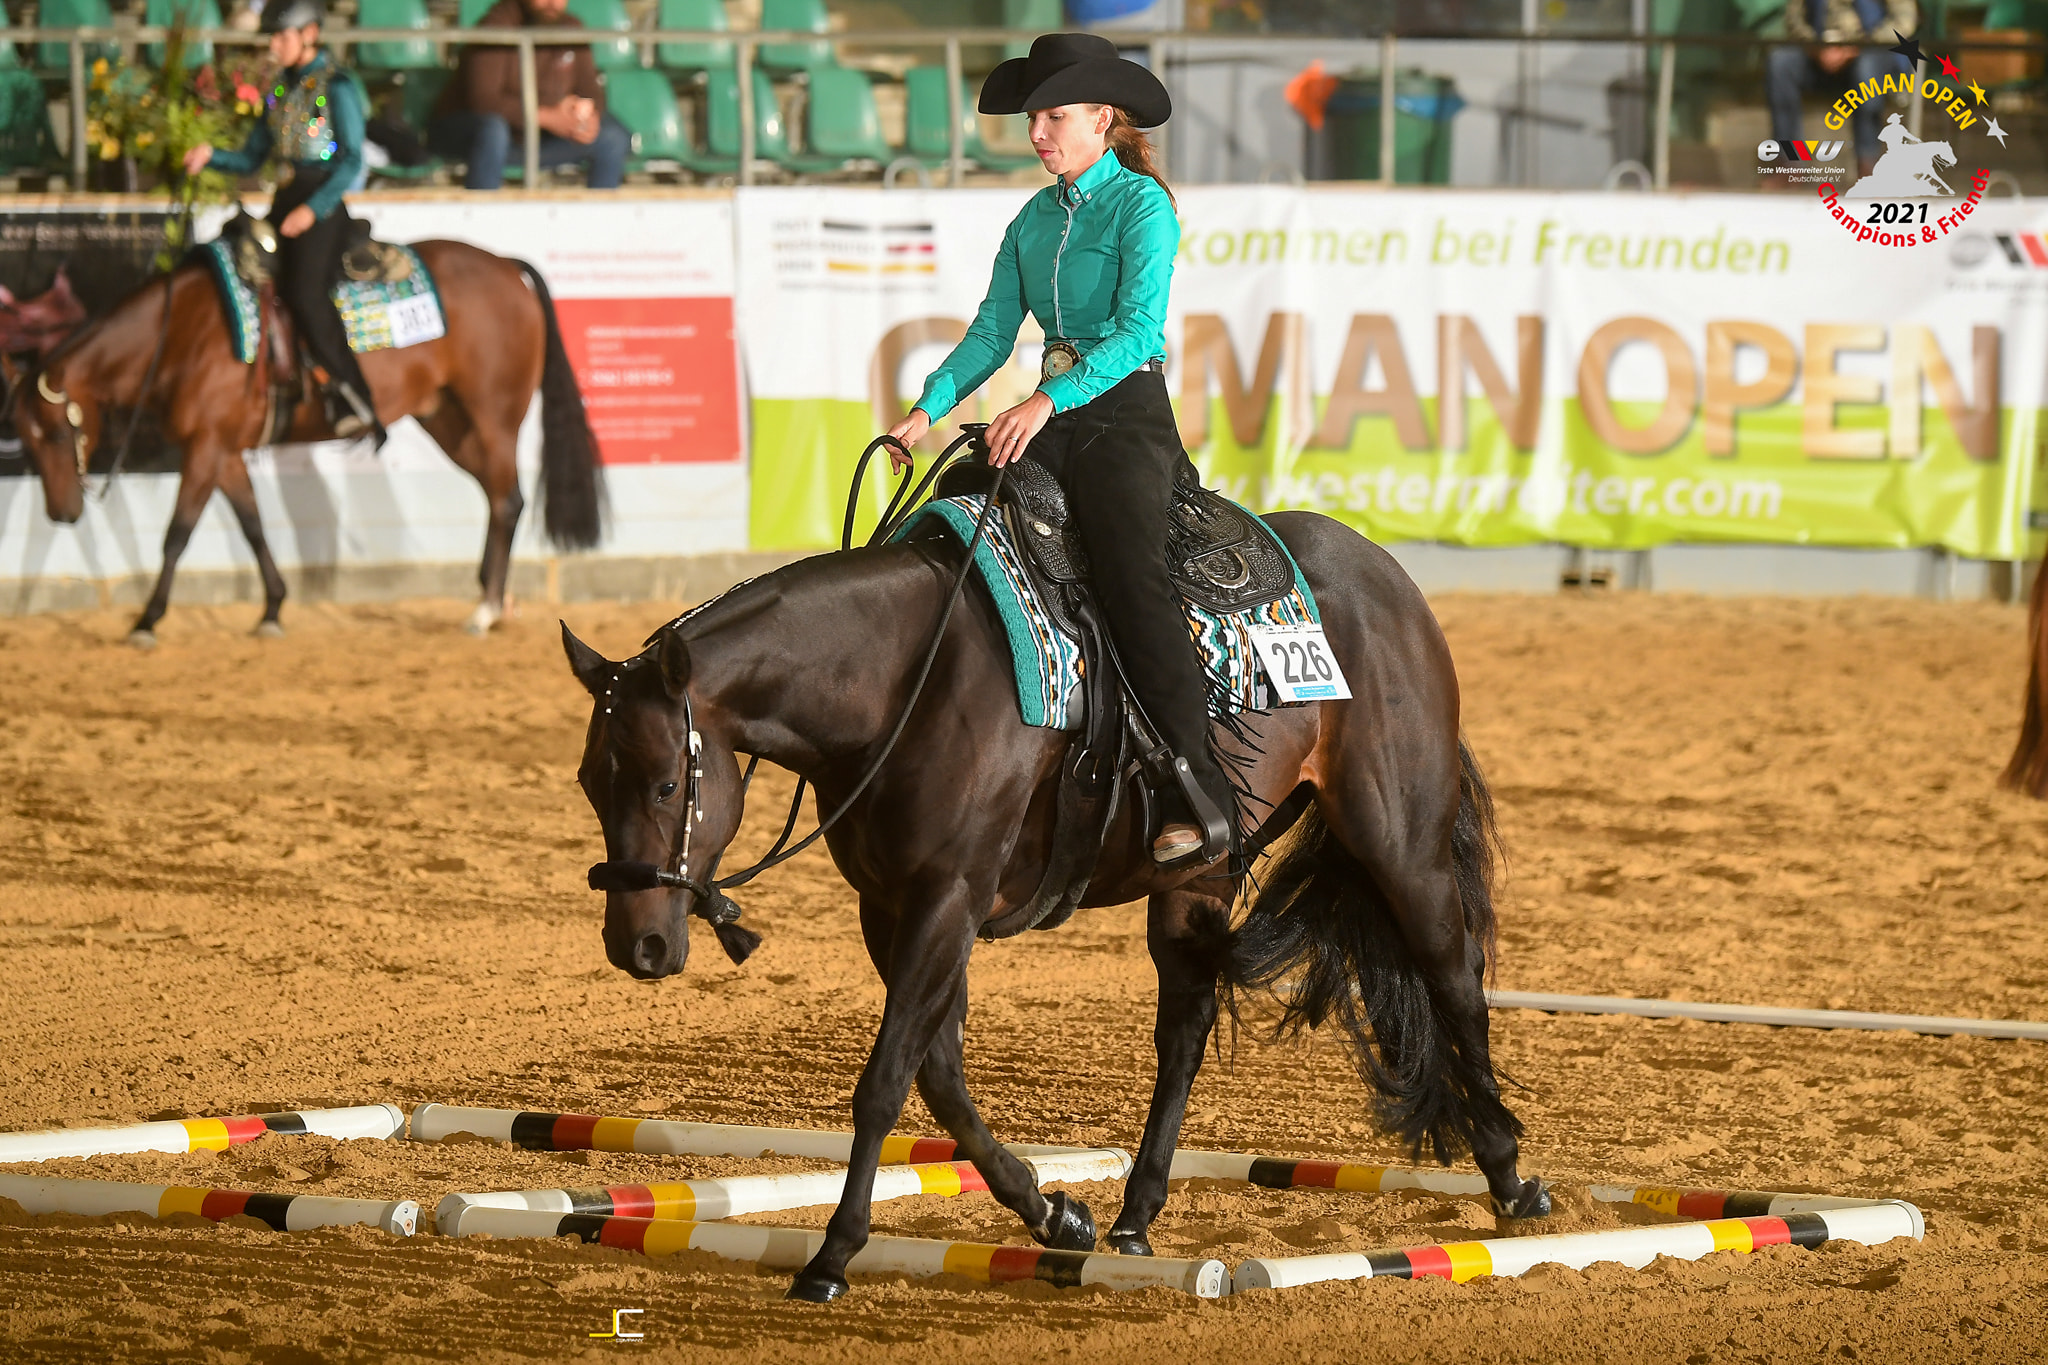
point(810, 1287)
point(269, 630)
point(1071, 1227)
point(1532, 1202)
point(144, 640)
point(1129, 1243)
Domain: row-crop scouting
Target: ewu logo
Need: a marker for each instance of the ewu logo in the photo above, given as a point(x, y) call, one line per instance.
point(1772, 150)
point(2023, 248)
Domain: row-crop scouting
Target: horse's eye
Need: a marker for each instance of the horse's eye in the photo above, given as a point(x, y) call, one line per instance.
point(664, 791)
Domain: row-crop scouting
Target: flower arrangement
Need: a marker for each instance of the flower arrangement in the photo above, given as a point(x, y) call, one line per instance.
point(152, 118)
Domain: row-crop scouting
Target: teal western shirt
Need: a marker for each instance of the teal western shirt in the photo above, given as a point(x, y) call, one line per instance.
point(340, 151)
point(1092, 262)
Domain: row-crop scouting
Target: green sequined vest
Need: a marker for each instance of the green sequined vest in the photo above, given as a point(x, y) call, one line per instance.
point(300, 116)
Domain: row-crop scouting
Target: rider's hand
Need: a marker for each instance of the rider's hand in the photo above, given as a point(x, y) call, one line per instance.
point(1012, 431)
point(910, 431)
point(297, 221)
point(197, 157)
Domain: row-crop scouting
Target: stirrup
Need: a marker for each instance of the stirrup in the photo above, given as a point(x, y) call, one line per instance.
point(1186, 841)
point(1209, 823)
point(349, 412)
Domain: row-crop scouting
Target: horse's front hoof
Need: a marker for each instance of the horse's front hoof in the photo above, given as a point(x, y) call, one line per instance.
point(811, 1287)
point(269, 630)
point(1532, 1202)
point(144, 640)
point(1071, 1227)
point(1129, 1243)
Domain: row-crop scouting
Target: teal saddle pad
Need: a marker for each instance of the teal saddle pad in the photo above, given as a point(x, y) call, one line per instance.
point(379, 314)
point(1047, 661)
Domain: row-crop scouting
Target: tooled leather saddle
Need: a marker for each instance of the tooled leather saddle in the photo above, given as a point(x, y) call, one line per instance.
point(1219, 557)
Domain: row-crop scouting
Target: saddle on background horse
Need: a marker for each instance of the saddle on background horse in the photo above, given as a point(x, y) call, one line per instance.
point(1221, 559)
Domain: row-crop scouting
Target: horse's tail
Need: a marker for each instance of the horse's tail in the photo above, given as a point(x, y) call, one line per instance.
point(572, 485)
point(1320, 929)
point(2028, 770)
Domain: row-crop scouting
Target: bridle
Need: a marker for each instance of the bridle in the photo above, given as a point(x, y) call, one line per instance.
point(712, 904)
point(74, 416)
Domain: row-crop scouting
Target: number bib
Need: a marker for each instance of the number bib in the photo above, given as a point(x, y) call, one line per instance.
point(1299, 663)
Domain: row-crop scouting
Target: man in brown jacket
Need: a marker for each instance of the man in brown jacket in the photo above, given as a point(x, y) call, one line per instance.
point(1827, 59)
point(479, 113)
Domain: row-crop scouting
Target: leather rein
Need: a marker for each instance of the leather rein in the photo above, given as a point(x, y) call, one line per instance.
point(711, 902)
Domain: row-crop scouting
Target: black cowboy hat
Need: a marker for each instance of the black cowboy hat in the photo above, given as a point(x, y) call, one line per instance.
point(1075, 68)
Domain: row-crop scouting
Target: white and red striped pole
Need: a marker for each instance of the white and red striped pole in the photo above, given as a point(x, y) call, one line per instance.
point(285, 1212)
point(541, 1131)
point(792, 1248)
point(731, 1196)
point(192, 1135)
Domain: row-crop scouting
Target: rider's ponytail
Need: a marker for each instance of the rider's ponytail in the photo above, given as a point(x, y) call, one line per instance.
point(1135, 150)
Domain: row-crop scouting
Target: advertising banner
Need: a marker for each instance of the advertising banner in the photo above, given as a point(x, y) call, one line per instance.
point(1614, 371)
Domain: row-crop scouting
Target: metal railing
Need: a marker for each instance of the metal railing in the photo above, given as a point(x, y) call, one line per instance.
point(1162, 45)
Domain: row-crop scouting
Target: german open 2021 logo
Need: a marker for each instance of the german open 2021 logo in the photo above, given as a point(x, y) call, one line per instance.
point(1898, 203)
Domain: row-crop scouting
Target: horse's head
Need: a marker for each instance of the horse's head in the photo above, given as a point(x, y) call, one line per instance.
point(59, 429)
point(1943, 154)
point(659, 772)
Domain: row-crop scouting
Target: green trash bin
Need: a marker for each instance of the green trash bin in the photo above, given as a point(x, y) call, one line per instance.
point(1424, 106)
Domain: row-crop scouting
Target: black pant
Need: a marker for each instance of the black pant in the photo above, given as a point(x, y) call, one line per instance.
point(308, 266)
point(1116, 457)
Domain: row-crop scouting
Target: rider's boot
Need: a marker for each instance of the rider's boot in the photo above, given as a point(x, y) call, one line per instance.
point(352, 416)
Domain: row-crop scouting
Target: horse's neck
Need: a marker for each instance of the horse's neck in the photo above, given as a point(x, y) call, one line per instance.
point(822, 674)
point(111, 359)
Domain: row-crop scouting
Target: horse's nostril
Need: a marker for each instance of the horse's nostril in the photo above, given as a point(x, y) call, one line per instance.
point(651, 954)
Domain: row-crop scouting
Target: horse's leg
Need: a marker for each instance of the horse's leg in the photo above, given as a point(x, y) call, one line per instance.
point(490, 455)
point(1409, 856)
point(196, 482)
point(1185, 931)
point(241, 495)
point(927, 971)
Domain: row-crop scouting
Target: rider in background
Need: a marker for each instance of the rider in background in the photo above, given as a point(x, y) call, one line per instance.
point(1091, 256)
point(313, 122)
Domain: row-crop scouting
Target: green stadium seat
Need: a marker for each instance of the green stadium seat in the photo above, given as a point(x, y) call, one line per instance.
point(925, 124)
point(74, 14)
point(841, 124)
point(644, 103)
point(699, 14)
point(802, 16)
point(721, 152)
point(10, 58)
point(471, 11)
point(1043, 16)
point(197, 14)
point(414, 54)
point(25, 137)
point(417, 92)
point(619, 54)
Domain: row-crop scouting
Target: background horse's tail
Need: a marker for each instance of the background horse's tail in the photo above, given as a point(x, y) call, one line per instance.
point(572, 490)
point(1320, 929)
point(2028, 771)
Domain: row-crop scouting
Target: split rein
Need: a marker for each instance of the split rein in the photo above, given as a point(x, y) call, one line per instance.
point(711, 903)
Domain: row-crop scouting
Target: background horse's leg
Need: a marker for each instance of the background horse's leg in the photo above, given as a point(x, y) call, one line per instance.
point(942, 1081)
point(196, 482)
point(241, 495)
point(1187, 932)
point(927, 967)
point(490, 453)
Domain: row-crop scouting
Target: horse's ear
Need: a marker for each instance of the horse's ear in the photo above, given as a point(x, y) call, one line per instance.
point(591, 668)
point(674, 657)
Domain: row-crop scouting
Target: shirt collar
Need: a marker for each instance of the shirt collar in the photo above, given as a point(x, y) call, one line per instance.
point(1105, 169)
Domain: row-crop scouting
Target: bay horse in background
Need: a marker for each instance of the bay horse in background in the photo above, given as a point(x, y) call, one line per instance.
point(470, 389)
point(1376, 912)
point(2027, 772)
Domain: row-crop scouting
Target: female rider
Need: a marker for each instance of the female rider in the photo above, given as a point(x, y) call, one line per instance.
point(1091, 256)
point(313, 120)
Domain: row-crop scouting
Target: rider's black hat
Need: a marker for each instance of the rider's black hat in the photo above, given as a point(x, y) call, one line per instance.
point(279, 15)
point(1075, 68)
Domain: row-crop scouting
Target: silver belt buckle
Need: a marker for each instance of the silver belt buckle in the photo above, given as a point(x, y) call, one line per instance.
point(1058, 358)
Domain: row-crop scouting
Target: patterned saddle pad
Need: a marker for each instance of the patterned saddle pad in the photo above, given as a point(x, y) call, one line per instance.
point(399, 308)
point(1045, 654)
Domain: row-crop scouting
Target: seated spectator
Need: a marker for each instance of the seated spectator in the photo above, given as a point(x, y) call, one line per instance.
point(478, 118)
point(1827, 61)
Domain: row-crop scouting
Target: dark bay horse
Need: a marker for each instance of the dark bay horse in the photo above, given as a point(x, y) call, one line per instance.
point(2027, 771)
point(1376, 910)
point(470, 389)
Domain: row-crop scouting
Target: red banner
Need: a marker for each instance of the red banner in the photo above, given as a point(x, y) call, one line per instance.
point(660, 377)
